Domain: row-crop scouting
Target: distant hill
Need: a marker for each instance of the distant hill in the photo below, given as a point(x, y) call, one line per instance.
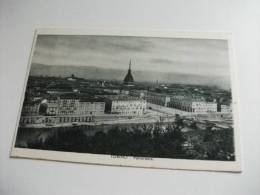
point(91, 72)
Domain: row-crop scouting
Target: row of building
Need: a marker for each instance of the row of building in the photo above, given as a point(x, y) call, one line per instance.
point(196, 105)
point(54, 119)
point(110, 104)
point(185, 103)
point(74, 109)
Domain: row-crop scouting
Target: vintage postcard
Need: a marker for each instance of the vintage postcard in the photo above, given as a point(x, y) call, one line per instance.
point(151, 99)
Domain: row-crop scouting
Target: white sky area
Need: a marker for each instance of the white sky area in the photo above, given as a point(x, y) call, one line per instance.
point(205, 57)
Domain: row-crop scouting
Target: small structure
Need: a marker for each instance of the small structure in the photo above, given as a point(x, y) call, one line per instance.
point(72, 78)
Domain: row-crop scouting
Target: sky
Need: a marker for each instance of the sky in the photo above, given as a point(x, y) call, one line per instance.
point(202, 57)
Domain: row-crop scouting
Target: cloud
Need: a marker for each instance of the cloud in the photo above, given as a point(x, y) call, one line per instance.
point(205, 57)
point(161, 61)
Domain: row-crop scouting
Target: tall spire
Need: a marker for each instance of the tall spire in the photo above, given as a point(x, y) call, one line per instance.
point(130, 64)
point(129, 77)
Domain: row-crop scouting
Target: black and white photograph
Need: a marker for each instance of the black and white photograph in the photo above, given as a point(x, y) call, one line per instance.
point(156, 100)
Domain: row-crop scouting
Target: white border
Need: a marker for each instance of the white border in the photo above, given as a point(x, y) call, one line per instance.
point(163, 163)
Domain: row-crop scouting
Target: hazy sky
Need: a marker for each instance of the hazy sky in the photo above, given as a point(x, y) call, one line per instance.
point(176, 55)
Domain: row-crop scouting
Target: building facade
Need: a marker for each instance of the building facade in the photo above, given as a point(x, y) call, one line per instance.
point(125, 105)
point(204, 107)
point(61, 110)
point(157, 98)
point(73, 106)
point(52, 106)
point(27, 120)
point(31, 108)
point(226, 108)
point(68, 106)
point(61, 107)
point(91, 108)
point(193, 105)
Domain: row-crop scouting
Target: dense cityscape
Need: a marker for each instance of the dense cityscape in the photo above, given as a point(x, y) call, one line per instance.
point(192, 114)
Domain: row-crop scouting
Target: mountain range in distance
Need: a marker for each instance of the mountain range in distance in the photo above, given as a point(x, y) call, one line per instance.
point(91, 72)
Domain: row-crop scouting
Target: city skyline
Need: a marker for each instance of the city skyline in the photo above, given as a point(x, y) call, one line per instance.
point(201, 57)
point(97, 73)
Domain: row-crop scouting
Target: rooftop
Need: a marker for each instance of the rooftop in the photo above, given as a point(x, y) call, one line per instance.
point(32, 102)
point(91, 99)
point(121, 97)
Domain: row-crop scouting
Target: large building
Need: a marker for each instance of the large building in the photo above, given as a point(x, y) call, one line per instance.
point(30, 108)
point(68, 105)
point(187, 104)
point(157, 98)
point(129, 79)
point(80, 106)
point(193, 105)
point(225, 108)
point(125, 105)
point(52, 108)
point(67, 109)
point(92, 106)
